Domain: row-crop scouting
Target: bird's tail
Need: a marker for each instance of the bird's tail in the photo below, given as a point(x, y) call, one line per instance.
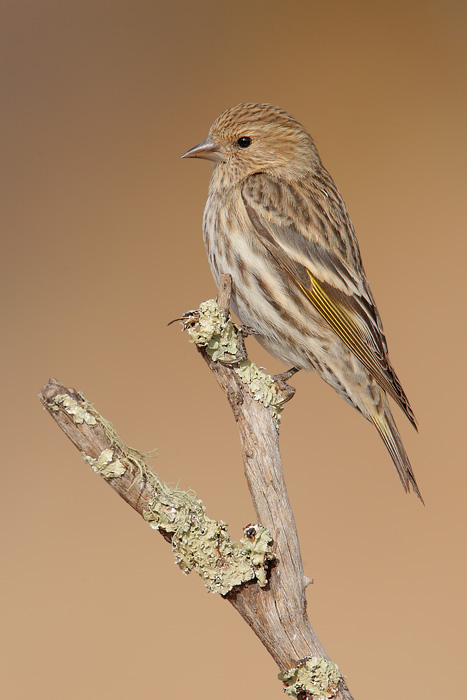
point(386, 427)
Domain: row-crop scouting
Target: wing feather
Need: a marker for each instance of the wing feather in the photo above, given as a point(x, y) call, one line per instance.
point(329, 273)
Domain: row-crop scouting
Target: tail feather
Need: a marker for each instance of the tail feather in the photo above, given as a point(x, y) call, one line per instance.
point(386, 427)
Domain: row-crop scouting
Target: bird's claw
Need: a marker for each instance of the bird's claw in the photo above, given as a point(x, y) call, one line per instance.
point(245, 331)
point(281, 380)
point(241, 353)
point(189, 319)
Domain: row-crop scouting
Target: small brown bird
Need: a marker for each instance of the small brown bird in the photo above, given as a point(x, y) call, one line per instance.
point(275, 221)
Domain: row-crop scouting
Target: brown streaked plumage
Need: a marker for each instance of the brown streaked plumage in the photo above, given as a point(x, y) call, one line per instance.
point(275, 221)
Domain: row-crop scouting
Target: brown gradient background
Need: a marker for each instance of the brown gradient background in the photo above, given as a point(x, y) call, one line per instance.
point(102, 246)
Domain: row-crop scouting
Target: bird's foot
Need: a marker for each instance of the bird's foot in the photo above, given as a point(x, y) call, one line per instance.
point(281, 381)
point(241, 355)
point(245, 331)
point(189, 319)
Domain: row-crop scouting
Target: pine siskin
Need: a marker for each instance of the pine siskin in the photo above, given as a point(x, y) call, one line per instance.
point(275, 221)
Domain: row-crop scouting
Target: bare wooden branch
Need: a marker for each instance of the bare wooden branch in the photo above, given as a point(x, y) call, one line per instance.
point(276, 612)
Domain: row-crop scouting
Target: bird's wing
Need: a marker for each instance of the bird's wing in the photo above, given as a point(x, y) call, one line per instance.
point(298, 232)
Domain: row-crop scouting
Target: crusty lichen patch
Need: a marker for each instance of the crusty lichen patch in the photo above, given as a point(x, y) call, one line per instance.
point(219, 336)
point(262, 386)
point(204, 545)
point(317, 677)
point(105, 464)
point(80, 414)
point(198, 542)
point(213, 332)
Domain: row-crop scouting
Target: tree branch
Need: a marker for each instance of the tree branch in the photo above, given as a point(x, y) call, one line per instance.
point(266, 587)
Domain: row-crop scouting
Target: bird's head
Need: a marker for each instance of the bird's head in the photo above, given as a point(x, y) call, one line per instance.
point(258, 138)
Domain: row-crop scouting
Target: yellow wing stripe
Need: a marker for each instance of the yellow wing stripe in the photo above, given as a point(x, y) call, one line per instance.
point(346, 329)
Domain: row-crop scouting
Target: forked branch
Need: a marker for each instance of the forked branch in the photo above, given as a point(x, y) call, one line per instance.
point(265, 582)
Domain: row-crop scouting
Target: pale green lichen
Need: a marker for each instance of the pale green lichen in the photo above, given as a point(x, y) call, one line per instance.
point(262, 386)
point(219, 336)
point(213, 331)
point(198, 542)
point(315, 677)
point(130, 455)
point(204, 545)
point(105, 464)
point(79, 413)
point(257, 546)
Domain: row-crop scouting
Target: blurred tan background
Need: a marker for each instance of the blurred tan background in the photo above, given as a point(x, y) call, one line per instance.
point(102, 246)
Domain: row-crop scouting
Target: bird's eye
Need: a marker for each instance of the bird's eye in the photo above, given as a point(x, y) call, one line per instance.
point(244, 141)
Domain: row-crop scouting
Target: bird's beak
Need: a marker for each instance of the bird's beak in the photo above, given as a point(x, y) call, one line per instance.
point(206, 149)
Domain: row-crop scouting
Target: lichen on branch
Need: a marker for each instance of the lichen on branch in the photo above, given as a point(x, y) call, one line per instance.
point(209, 329)
point(106, 465)
point(198, 542)
point(315, 677)
point(203, 544)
